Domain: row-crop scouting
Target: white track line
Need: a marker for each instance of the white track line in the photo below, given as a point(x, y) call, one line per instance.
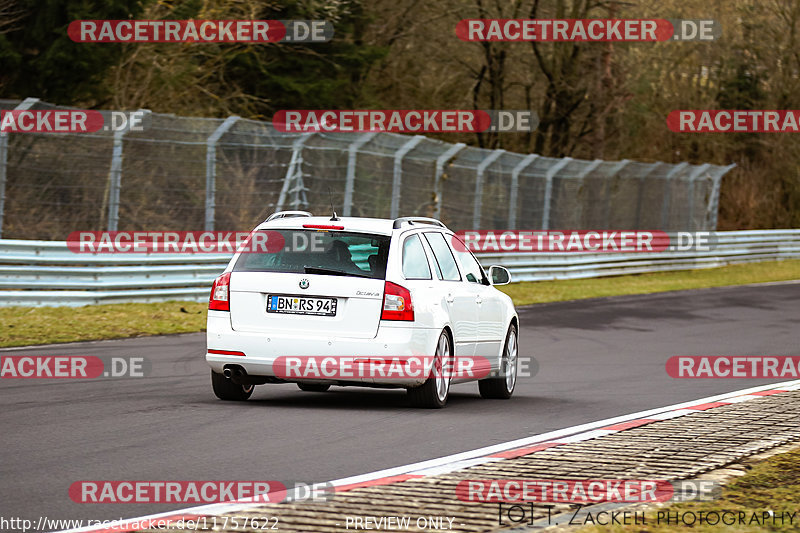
point(469, 457)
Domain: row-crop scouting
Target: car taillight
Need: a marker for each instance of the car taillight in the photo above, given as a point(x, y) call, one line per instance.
point(220, 293)
point(396, 303)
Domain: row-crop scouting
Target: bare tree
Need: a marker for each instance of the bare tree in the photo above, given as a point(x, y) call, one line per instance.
point(10, 15)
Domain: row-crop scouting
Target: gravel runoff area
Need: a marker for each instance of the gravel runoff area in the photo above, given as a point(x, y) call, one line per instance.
point(684, 444)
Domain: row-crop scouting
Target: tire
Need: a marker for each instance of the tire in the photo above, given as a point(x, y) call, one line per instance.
point(434, 392)
point(311, 387)
point(227, 390)
point(502, 387)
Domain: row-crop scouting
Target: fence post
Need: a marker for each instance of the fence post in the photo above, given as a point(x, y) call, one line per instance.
point(449, 154)
point(397, 178)
point(640, 192)
point(476, 209)
point(512, 206)
point(667, 196)
point(713, 204)
point(581, 176)
point(614, 171)
point(548, 190)
point(295, 167)
point(115, 174)
point(349, 184)
point(22, 106)
point(690, 204)
point(211, 169)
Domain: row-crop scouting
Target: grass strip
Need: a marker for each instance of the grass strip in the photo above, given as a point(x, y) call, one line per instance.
point(21, 326)
point(536, 292)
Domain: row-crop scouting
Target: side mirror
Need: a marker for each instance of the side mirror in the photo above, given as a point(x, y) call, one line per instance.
point(499, 275)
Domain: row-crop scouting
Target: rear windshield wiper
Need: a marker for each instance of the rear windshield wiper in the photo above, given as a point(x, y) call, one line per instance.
point(333, 272)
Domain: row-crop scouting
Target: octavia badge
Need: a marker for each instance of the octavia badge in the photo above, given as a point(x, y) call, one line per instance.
point(303, 283)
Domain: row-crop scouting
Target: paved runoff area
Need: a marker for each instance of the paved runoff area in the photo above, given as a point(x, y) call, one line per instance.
point(670, 445)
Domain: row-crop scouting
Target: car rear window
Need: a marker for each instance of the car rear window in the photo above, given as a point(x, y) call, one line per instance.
point(322, 251)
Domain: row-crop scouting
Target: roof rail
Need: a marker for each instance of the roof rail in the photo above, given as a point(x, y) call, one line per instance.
point(412, 220)
point(288, 214)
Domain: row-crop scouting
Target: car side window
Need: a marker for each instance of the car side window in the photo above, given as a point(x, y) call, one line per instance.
point(444, 257)
point(415, 262)
point(434, 262)
point(473, 271)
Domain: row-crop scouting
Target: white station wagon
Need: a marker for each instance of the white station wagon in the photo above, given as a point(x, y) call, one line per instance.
point(343, 294)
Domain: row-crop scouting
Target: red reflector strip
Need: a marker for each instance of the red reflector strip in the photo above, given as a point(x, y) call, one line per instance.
point(622, 426)
point(767, 392)
point(519, 452)
point(378, 482)
point(226, 352)
point(707, 406)
point(320, 226)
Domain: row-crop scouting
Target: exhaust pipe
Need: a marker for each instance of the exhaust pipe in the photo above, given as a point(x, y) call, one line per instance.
point(239, 376)
point(234, 373)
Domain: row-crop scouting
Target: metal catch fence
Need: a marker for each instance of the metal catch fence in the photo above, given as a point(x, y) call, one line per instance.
point(184, 173)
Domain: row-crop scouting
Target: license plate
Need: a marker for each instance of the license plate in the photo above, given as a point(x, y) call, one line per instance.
point(301, 305)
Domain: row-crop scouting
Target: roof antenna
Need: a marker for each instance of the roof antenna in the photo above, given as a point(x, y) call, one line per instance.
point(334, 218)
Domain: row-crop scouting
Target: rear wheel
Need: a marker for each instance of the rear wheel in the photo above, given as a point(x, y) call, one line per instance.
point(502, 387)
point(434, 392)
point(311, 387)
point(225, 389)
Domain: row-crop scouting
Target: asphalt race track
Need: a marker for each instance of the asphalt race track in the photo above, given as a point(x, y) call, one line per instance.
point(597, 359)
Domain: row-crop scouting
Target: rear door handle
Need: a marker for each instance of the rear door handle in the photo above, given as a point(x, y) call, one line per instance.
point(450, 298)
point(478, 299)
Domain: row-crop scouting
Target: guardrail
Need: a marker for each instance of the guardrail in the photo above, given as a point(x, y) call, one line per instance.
point(731, 247)
point(47, 273)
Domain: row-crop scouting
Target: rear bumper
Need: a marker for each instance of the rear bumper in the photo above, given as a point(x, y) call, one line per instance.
point(394, 341)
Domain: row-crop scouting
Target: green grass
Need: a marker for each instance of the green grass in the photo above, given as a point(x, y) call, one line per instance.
point(534, 292)
point(771, 485)
point(20, 326)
